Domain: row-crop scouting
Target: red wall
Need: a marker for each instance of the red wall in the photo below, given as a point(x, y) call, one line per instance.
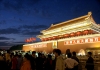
point(63, 48)
point(47, 49)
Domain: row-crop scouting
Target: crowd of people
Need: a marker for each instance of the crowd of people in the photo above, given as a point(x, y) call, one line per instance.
point(11, 61)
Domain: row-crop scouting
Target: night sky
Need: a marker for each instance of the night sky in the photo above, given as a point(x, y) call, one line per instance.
point(22, 19)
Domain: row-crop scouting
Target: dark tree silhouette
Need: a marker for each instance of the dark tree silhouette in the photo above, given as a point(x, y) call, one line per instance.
point(16, 47)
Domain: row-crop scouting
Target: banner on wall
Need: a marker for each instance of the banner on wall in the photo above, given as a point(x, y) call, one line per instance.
point(54, 44)
point(81, 41)
point(39, 45)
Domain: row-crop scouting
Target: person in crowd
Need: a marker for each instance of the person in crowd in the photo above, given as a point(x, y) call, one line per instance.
point(90, 62)
point(59, 60)
point(33, 60)
point(1, 57)
point(14, 62)
point(8, 59)
point(54, 62)
point(26, 63)
point(3, 65)
point(19, 61)
point(39, 62)
point(75, 58)
point(70, 63)
point(43, 57)
point(48, 63)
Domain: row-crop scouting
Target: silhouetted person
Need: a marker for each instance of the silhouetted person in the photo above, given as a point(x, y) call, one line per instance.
point(70, 63)
point(26, 63)
point(39, 62)
point(20, 60)
point(48, 63)
point(3, 64)
point(33, 60)
point(75, 58)
point(90, 62)
point(59, 60)
point(8, 59)
point(54, 61)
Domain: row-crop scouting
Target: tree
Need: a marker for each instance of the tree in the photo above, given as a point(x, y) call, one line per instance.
point(16, 47)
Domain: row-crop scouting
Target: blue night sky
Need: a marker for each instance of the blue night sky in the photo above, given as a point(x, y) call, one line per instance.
point(22, 19)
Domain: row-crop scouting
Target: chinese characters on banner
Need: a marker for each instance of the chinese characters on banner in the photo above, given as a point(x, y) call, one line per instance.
point(81, 41)
point(39, 45)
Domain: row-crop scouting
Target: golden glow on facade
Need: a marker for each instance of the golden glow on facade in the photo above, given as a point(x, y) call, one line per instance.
point(69, 35)
point(69, 27)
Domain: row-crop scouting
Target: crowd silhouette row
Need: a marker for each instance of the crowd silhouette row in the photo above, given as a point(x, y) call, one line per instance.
point(11, 61)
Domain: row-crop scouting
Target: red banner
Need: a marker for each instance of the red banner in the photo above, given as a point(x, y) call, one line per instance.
point(81, 41)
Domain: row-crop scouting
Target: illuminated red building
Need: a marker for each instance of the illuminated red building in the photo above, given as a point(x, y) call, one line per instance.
point(76, 34)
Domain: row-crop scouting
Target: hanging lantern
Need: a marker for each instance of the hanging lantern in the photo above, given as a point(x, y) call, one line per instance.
point(60, 36)
point(85, 32)
point(50, 38)
point(72, 34)
point(78, 33)
point(46, 39)
point(55, 37)
point(91, 32)
point(66, 35)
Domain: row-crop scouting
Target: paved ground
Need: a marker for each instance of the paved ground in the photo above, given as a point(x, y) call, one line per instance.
point(82, 67)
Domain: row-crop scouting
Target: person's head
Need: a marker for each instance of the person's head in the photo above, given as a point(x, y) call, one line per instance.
point(33, 53)
point(0, 54)
point(74, 53)
point(43, 56)
point(49, 56)
point(12, 55)
point(26, 54)
point(19, 56)
point(57, 52)
point(26, 57)
point(89, 54)
point(69, 55)
point(39, 55)
point(8, 51)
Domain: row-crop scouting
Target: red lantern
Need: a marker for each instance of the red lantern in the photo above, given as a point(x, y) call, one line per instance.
point(72, 34)
point(60, 36)
point(55, 37)
point(50, 38)
point(66, 35)
point(91, 32)
point(46, 39)
point(78, 33)
point(85, 32)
